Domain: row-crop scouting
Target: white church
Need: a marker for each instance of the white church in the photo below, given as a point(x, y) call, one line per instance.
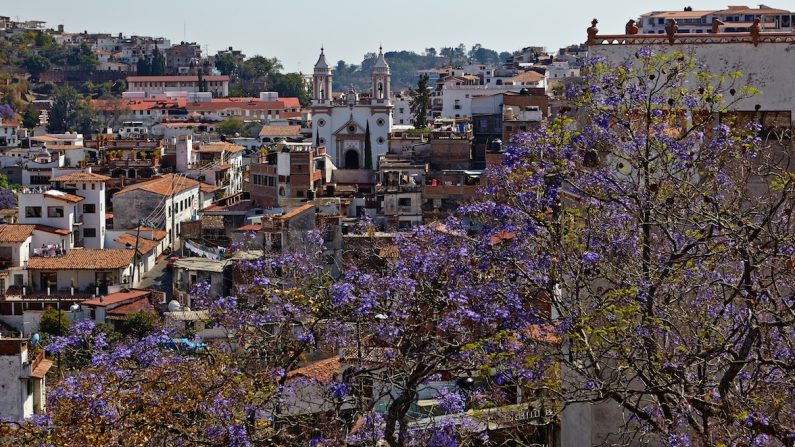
point(341, 125)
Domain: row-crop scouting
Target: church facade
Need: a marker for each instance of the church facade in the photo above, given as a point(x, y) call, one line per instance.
point(344, 124)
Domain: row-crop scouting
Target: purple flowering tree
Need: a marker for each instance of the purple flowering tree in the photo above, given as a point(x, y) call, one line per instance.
point(443, 312)
point(660, 226)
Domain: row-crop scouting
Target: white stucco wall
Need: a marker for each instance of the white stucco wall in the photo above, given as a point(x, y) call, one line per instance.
point(769, 66)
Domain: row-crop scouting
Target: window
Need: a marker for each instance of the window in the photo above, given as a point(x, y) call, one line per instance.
point(93, 186)
point(84, 186)
point(33, 211)
point(404, 201)
point(89, 208)
point(54, 211)
point(89, 232)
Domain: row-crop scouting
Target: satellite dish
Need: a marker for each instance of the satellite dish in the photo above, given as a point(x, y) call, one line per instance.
point(34, 339)
point(174, 306)
point(74, 308)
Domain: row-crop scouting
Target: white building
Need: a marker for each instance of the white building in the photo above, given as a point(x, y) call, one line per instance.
point(22, 380)
point(401, 112)
point(55, 209)
point(734, 18)
point(10, 133)
point(91, 212)
point(219, 164)
point(457, 92)
point(341, 126)
point(154, 86)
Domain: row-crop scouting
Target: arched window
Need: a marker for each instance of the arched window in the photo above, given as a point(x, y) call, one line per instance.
point(351, 159)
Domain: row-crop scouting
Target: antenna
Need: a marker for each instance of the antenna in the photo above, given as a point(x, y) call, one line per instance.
point(184, 30)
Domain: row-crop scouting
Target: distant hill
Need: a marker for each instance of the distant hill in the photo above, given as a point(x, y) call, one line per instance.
point(404, 65)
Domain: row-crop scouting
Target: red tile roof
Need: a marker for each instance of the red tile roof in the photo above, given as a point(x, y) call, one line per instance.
point(280, 131)
point(528, 76)
point(204, 187)
point(85, 259)
point(59, 195)
point(296, 211)
point(218, 104)
point(117, 297)
point(219, 146)
point(157, 234)
point(128, 309)
point(41, 369)
point(249, 227)
point(213, 78)
point(81, 177)
point(164, 186)
point(144, 245)
point(15, 233)
point(321, 370)
point(243, 205)
point(53, 230)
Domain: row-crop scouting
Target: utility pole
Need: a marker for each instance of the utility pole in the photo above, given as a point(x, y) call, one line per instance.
point(135, 252)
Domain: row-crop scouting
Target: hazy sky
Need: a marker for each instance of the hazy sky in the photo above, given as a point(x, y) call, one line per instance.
point(294, 30)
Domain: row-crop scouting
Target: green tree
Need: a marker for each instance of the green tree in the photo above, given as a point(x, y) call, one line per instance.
point(290, 85)
point(70, 112)
point(140, 324)
point(158, 64)
point(54, 322)
point(30, 117)
point(258, 67)
point(230, 127)
point(36, 65)
point(420, 101)
point(368, 148)
point(43, 39)
point(484, 55)
point(143, 67)
point(227, 65)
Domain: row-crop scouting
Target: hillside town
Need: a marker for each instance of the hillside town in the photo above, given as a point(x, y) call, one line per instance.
point(378, 266)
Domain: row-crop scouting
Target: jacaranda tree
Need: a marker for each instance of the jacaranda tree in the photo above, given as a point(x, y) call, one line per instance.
point(660, 226)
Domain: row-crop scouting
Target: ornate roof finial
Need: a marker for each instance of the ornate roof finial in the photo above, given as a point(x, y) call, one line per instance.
point(670, 30)
point(755, 30)
point(592, 31)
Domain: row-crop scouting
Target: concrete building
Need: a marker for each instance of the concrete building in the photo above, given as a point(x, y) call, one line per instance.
point(22, 379)
point(219, 164)
point(734, 19)
point(341, 126)
point(183, 58)
point(289, 170)
point(164, 202)
point(153, 86)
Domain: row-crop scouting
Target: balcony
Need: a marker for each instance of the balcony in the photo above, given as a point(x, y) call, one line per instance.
point(116, 164)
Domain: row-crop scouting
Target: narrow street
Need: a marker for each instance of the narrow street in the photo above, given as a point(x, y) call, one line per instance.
point(158, 278)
